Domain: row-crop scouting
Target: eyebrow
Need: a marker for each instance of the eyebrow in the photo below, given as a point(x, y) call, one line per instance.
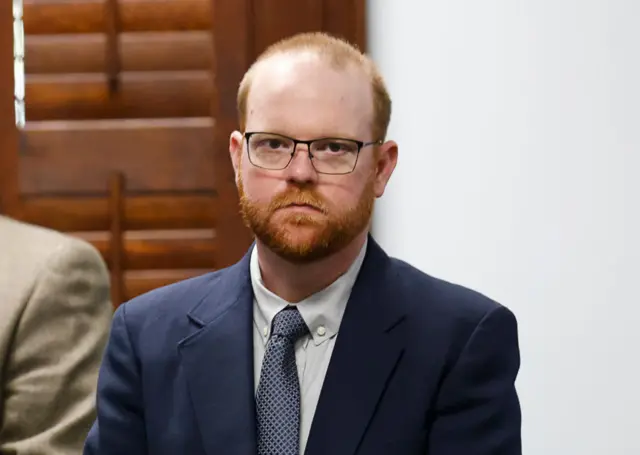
point(333, 135)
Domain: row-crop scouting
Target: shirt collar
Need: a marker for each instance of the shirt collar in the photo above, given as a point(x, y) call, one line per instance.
point(322, 311)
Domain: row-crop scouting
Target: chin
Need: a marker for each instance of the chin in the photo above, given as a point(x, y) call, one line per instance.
point(299, 234)
point(297, 242)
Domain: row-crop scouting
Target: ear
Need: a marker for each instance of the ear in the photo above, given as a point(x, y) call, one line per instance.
point(386, 160)
point(235, 150)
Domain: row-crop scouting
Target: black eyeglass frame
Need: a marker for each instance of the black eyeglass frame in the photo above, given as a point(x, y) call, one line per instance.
point(360, 144)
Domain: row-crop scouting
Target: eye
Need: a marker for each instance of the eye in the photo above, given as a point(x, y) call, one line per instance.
point(336, 147)
point(273, 143)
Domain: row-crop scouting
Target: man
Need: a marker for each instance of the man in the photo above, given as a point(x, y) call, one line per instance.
point(316, 342)
point(55, 314)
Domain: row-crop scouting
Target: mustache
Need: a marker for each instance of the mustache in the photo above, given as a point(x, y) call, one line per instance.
point(298, 197)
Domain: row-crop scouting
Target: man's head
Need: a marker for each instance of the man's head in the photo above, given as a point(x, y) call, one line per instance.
point(306, 200)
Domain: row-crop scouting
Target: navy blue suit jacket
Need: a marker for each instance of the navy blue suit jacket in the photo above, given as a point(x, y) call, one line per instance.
point(420, 366)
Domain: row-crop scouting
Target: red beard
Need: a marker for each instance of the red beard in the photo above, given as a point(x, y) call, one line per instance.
point(305, 236)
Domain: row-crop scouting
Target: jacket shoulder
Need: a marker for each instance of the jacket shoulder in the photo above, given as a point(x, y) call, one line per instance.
point(425, 293)
point(171, 300)
point(28, 250)
point(29, 241)
point(438, 312)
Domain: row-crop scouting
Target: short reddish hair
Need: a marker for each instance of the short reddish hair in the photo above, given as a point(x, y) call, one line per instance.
point(339, 53)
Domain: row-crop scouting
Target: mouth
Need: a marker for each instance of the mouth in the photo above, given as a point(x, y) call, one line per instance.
point(303, 207)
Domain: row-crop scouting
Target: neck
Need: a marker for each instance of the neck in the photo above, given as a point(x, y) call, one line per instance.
point(294, 282)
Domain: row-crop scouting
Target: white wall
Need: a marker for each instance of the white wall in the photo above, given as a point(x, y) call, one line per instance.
point(519, 130)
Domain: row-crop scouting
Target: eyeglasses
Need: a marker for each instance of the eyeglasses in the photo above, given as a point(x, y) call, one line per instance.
point(328, 155)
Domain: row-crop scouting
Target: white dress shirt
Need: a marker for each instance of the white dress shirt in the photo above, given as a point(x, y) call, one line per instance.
point(322, 312)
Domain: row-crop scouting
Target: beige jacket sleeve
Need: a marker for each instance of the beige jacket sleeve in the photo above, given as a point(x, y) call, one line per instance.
point(51, 375)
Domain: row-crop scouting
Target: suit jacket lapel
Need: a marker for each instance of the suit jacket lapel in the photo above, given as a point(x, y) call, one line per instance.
point(368, 346)
point(218, 362)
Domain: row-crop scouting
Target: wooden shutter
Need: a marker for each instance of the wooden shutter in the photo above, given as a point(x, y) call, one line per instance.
point(129, 109)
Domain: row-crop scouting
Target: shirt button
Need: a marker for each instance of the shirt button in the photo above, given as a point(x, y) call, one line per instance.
point(321, 331)
point(265, 331)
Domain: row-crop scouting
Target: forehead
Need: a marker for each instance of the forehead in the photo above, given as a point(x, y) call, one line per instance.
point(304, 96)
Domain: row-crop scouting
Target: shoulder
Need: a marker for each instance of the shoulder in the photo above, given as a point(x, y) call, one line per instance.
point(427, 296)
point(167, 306)
point(155, 322)
point(26, 242)
point(22, 239)
point(442, 317)
point(30, 252)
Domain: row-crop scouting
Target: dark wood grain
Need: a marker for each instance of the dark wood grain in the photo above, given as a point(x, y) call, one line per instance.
point(115, 254)
point(141, 212)
point(145, 51)
point(173, 155)
point(112, 51)
point(141, 95)
point(8, 131)
point(157, 249)
point(346, 19)
point(90, 16)
point(278, 19)
point(233, 52)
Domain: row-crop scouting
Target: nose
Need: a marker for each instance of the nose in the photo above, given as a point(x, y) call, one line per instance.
point(300, 169)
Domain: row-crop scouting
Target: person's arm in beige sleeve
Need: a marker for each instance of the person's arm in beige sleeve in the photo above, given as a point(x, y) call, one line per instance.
point(50, 379)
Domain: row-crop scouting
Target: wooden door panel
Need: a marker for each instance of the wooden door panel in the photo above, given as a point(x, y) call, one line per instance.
point(346, 19)
point(140, 212)
point(89, 16)
point(146, 94)
point(278, 19)
point(9, 190)
point(159, 249)
point(78, 157)
point(144, 51)
point(233, 42)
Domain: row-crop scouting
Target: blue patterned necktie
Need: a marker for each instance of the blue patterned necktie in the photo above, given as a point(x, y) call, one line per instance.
point(278, 396)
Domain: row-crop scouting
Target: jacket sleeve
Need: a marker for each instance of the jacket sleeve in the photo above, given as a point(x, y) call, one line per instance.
point(119, 427)
point(478, 411)
point(50, 377)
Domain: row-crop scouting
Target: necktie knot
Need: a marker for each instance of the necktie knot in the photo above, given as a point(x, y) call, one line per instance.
point(288, 323)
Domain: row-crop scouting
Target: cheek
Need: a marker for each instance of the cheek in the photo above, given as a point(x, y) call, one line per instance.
point(343, 197)
point(257, 186)
point(345, 192)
